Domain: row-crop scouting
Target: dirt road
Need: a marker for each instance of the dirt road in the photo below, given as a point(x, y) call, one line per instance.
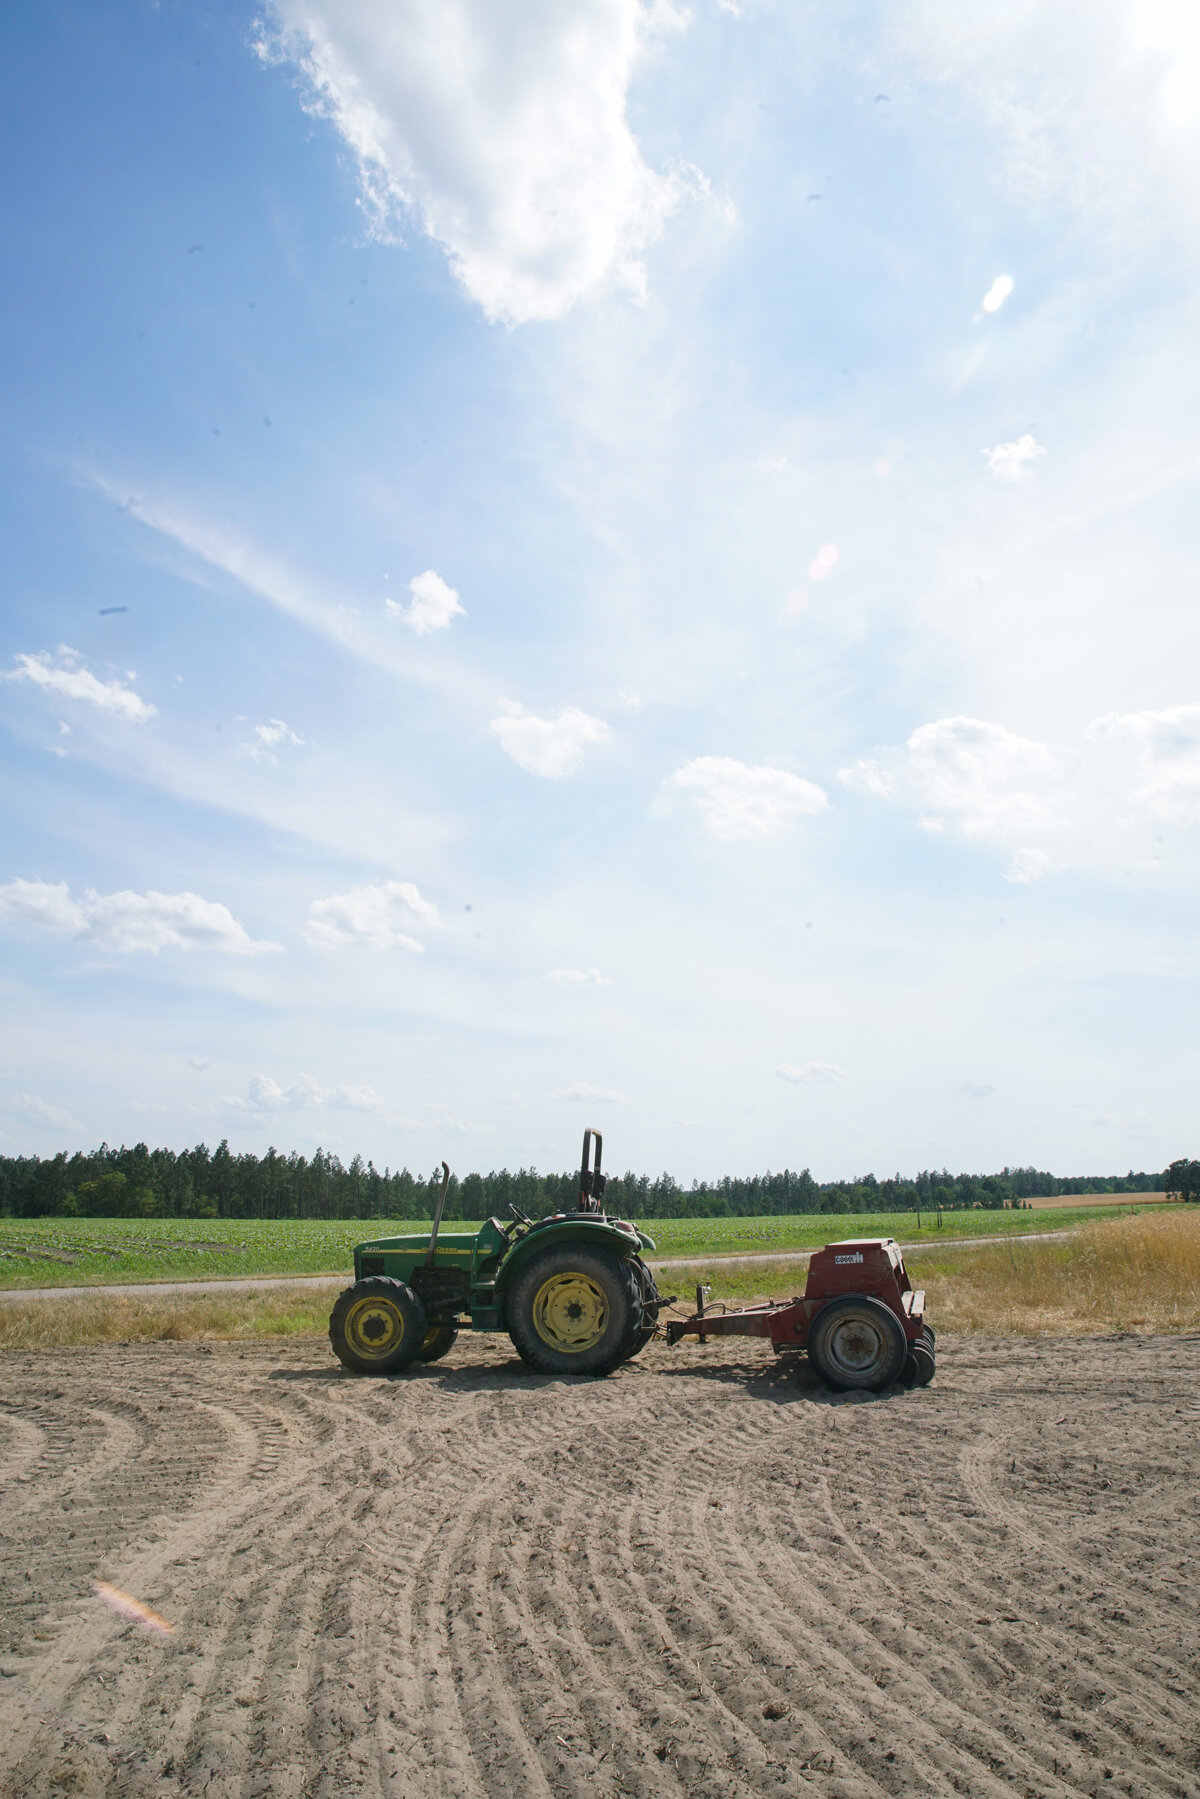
point(703, 1577)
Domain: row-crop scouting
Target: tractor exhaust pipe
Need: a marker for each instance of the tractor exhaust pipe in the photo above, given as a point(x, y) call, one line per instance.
point(437, 1214)
point(591, 1181)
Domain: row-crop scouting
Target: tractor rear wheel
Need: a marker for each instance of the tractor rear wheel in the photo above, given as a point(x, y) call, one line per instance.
point(574, 1310)
point(439, 1338)
point(857, 1343)
point(377, 1326)
point(649, 1296)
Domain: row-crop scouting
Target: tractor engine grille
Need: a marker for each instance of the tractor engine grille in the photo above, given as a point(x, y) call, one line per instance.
point(442, 1289)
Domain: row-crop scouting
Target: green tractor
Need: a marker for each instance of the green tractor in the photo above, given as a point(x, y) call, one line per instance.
point(572, 1290)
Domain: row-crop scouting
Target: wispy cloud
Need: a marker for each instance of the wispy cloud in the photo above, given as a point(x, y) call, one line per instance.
point(62, 672)
point(268, 738)
point(432, 606)
point(583, 1091)
point(577, 977)
point(502, 134)
point(342, 618)
point(744, 801)
point(38, 1111)
point(550, 747)
point(381, 916)
point(1013, 461)
point(265, 1095)
point(126, 923)
point(803, 1074)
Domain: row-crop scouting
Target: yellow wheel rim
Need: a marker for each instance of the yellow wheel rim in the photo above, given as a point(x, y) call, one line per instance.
point(570, 1312)
point(374, 1327)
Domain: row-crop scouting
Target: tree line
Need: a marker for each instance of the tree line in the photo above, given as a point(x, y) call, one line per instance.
point(215, 1183)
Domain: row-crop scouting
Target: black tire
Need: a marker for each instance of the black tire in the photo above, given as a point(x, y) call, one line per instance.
point(650, 1297)
point(438, 1339)
point(377, 1326)
point(857, 1344)
point(574, 1310)
point(920, 1364)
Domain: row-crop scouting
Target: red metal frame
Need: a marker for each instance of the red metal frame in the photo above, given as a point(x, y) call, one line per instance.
point(868, 1265)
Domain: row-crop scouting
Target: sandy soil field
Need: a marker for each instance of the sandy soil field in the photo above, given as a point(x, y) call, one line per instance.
point(703, 1576)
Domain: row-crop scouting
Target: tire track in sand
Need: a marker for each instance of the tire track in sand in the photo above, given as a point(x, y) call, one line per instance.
point(700, 1579)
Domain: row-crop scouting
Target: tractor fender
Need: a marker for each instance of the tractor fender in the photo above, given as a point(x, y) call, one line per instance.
point(597, 1233)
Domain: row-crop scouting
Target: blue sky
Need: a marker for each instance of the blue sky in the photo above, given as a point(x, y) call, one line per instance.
point(602, 564)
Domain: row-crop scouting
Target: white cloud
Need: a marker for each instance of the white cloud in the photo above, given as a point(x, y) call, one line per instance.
point(810, 1073)
point(1154, 758)
point(739, 800)
point(266, 1095)
point(267, 739)
point(544, 746)
point(997, 293)
point(1095, 803)
point(1172, 26)
point(501, 131)
point(988, 781)
point(1026, 866)
point(824, 562)
point(1012, 461)
point(126, 923)
point(577, 977)
point(376, 917)
point(38, 1112)
point(432, 607)
point(976, 1089)
point(580, 1090)
point(63, 673)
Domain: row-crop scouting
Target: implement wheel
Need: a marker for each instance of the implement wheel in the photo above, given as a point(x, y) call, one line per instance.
point(377, 1326)
point(574, 1310)
point(857, 1343)
point(920, 1364)
point(438, 1339)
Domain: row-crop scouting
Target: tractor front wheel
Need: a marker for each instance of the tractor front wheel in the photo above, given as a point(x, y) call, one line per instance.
point(857, 1342)
point(574, 1310)
point(439, 1338)
point(377, 1326)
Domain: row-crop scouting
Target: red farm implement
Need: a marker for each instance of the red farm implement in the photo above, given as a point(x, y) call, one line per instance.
point(859, 1318)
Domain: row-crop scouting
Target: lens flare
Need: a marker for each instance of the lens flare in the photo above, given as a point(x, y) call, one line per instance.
point(997, 293)
point(133, 1609)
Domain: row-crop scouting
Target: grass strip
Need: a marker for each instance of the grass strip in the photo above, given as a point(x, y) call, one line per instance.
point(1139, 1274)
point(100, 1317)
point(94, 1252)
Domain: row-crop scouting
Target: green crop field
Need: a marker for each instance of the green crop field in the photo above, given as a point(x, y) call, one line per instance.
point(89, 1252)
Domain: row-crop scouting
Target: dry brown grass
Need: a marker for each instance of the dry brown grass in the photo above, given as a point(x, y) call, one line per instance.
point(97, 1317)
point(1139, 1273)
point(1131, 1274)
